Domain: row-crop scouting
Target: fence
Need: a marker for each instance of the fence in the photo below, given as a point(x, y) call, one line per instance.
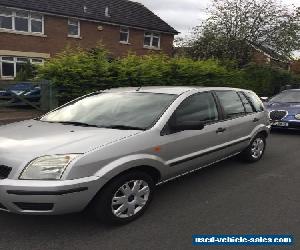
point(41, 96)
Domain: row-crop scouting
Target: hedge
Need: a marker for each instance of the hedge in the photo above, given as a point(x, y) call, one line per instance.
point(76, 72)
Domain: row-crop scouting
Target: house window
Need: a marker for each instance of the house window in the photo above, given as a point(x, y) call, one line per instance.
point(73, 28)
point(37, 61)
point(21, 21)
point(6, 19)
point(10, 66)
point(124, 35)
point(7, 67)
point(152, 40)
point(37, 23)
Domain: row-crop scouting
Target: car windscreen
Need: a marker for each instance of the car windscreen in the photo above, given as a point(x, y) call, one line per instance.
point(287, 96)
point(114, 110)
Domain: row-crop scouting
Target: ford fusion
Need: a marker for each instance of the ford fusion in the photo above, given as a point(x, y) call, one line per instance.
point(284, 109)
point(109, 150)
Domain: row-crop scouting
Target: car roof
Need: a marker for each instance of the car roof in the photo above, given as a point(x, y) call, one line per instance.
point(176, 90)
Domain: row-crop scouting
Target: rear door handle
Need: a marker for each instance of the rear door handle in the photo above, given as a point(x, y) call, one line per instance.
point(256, 120)
point(221, 130)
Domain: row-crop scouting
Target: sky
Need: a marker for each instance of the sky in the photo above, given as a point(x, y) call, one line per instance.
point(183, 15)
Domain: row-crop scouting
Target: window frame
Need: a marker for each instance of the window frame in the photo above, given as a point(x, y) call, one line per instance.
point(29, 18)
point(16, 60)
point(241, 93)
point(11, 16)
point(166, 130)
point(251, 96)
point(78, 27)
point(122, 28)
point(224, 117)
point(21, 17)
point(152, 35)
point(36, 20)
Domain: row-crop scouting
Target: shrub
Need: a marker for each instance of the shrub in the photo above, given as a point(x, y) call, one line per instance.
point(77, 72)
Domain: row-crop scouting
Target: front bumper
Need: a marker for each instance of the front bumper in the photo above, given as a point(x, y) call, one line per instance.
point(47, 197)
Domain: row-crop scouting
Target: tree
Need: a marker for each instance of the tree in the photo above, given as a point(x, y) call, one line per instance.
point(233, 26)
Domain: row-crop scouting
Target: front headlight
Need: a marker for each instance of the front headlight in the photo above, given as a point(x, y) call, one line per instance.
point(297, 116)
point(50, 167)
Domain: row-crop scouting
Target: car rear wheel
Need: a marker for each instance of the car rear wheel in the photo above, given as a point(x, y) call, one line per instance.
point(255, 151)
point(124, 199)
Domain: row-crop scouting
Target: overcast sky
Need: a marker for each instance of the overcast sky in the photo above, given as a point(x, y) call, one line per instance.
point(183, 15)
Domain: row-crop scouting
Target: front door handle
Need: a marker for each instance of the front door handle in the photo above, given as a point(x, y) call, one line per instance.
point(221, 130)
point(256, 119)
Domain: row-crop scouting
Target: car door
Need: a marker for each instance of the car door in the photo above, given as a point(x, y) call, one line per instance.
point(239, 118)
point(189, 149)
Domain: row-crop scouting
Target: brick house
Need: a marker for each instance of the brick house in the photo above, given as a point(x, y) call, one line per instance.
point(264, 55)
point(38, 29)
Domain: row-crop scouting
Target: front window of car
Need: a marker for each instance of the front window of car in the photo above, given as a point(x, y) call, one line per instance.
point(135, 110)
point(287, 96)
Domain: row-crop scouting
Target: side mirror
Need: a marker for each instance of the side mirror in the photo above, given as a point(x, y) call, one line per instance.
point(187, 125)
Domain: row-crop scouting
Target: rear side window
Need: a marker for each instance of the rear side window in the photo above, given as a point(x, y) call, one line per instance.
point(256, 102)
point(231, 103)
point(248, 106)
point(199, 107)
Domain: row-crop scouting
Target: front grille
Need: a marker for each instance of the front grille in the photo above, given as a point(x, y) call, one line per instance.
point(4, 171)
point(278, 115)
point(35, 206)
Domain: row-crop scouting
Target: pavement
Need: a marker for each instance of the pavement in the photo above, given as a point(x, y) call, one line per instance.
point(229, 198)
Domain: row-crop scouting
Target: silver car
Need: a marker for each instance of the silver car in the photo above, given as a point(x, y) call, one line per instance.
point(107, 151)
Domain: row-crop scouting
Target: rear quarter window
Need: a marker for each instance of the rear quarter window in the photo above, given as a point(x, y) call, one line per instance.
point(256, 102)
point(249, 108)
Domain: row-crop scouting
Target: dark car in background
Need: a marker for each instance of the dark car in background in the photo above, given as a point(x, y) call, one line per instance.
point(18, 89)
point(27, 90)
point(284, 109)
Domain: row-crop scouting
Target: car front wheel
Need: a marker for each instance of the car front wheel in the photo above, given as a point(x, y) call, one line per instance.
point(124, 199)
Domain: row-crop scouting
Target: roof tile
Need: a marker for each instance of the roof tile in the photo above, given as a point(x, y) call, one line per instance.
point(121, 12)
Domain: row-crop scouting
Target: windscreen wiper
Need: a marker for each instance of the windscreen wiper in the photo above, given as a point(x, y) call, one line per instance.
point(124, 127)
point(82, 124)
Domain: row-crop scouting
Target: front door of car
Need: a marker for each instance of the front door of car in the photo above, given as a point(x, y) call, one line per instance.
point(192, 148)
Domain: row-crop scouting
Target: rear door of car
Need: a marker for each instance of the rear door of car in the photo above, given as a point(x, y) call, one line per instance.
point(239, 117)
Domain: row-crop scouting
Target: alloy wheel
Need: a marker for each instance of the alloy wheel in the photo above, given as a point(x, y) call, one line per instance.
point(130, 198)
point(257, 148)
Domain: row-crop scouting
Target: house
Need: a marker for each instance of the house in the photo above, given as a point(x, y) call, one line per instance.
point(264, 55)
point(38, 29)
point(295, 67)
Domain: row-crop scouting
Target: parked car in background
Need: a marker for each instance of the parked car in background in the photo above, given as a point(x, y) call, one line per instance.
point(18, 89)
point(109, 150)
point(33, 95)
point(284, 109)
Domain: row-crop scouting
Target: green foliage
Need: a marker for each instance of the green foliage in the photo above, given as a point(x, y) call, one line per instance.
point(233, 25)
point(77, 72)
point(266, 80)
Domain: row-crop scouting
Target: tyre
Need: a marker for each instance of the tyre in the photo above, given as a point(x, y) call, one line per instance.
point(124, 199)
point(255, 151)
